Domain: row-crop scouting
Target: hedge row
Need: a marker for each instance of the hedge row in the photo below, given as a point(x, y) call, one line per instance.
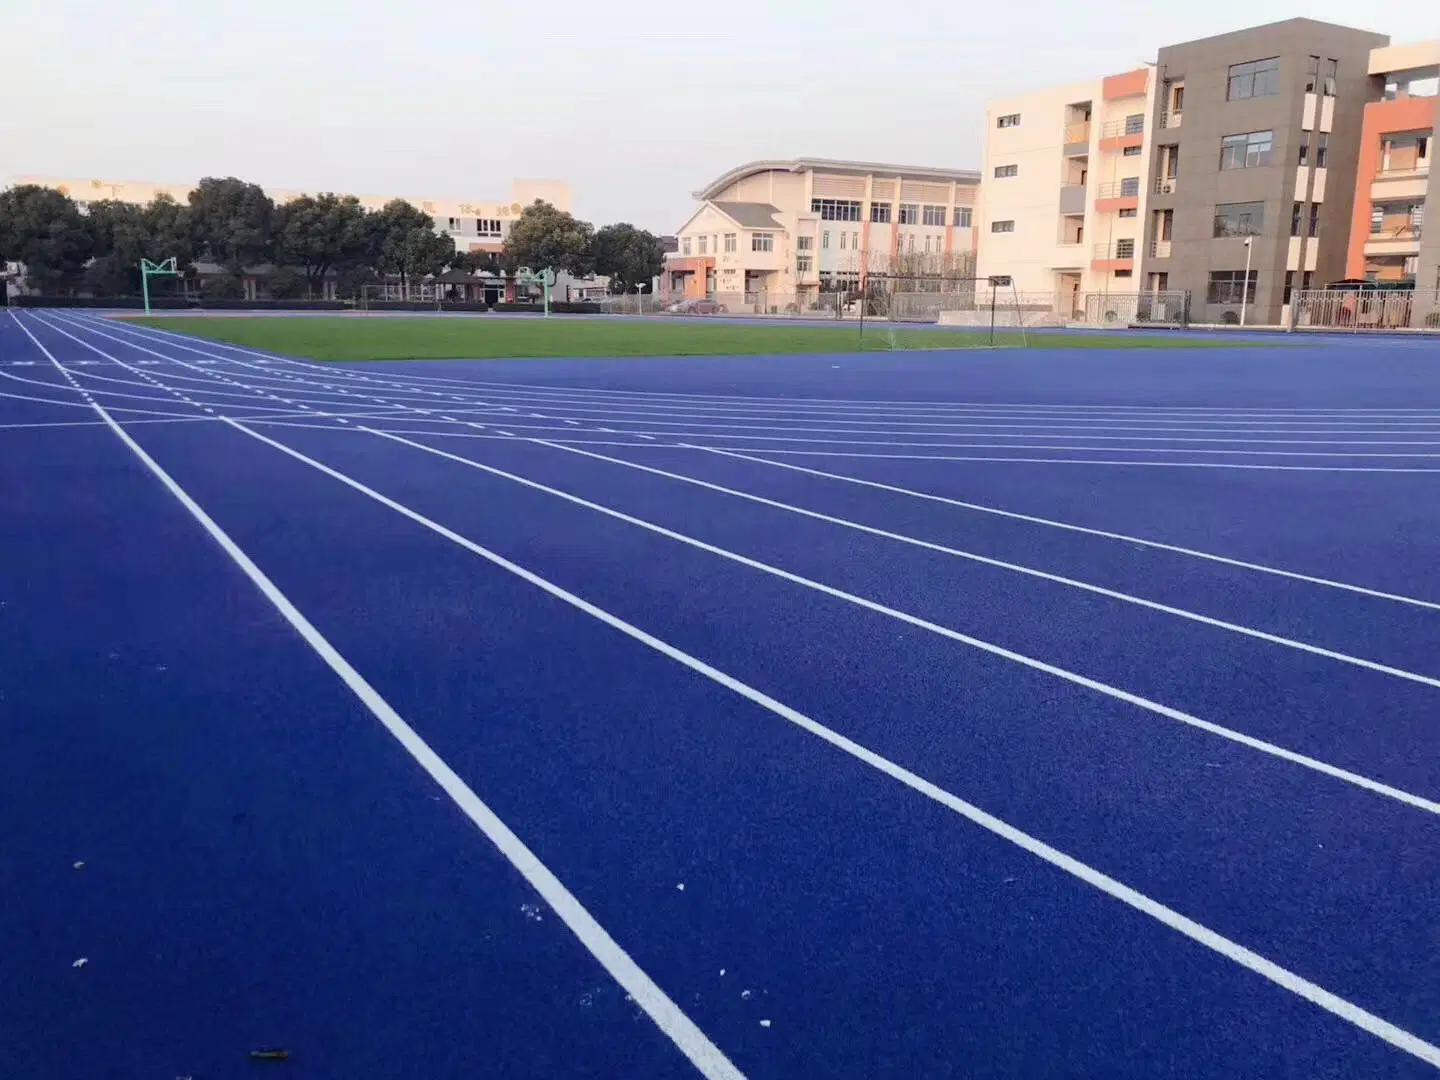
point(175, 303)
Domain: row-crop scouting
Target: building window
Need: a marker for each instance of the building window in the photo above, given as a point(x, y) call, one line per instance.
point(1130, 186)
point(1377, 219)
point(1009, 120)
point(1246, 151)
point(1003, 171)
point(825, 239)
point(909, 213)
point(1258, 78)
point(855, 240)
point(910, 243)
point(729, 241)
point(880, 213)
point(1332, 71)
point(804, 243)
point(1231, 287)
point(836, 209)
point(1131, 151)
point(1128, 212)
point(843, 237)
point(1239, 219)
point(1297, 215)
point(927, 245)
point(487, 226)
point(804, 264)
point(1002, 226)
point(1312, 74)
point(703, 243)
point(1001, 281)
point(1307, 279)
point(1124, 249)
point(932, 215)
point(1304, 147)
point(1124, 273)
point(1322, 151)
point(684, 245)
point(1289, 286)
point(962, 217)
point(1314, 219)
point(1135, 124)
point(762, 241)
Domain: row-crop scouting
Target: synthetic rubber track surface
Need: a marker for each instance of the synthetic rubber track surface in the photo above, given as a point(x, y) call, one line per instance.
point(915, 715)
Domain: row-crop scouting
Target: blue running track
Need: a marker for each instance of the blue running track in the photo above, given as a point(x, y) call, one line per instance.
point(974, 715)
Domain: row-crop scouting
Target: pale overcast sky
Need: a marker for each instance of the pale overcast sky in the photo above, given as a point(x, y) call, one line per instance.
point(636, 104)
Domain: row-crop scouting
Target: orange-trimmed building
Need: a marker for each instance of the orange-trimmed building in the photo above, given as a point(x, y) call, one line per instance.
point(1388, 240)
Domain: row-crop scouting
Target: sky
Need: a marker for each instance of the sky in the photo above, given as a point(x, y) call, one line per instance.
point(636, 105)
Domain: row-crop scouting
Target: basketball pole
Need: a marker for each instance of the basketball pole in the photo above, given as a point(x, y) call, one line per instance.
point(167, 268)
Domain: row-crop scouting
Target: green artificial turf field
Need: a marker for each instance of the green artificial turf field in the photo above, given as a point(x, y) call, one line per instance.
point(392, 337)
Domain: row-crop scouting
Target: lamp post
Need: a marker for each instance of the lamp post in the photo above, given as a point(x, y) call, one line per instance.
point(1245, 284)
point(639, 299)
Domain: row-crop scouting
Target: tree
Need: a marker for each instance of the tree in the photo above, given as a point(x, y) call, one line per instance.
point(287, 283)
point(319, 233)
point(404, 242)
point(122, 234)
point(628, 256)
point(233, 222)
point(475, 262)
point(42, 228)
point(546, 238)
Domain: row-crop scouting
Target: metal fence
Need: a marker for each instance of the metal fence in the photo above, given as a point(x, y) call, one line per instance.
point(1362, 310)
point(1169, 308)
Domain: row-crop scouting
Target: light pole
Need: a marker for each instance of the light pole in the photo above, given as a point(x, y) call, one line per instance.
point(639, 299)
point(1245, 284)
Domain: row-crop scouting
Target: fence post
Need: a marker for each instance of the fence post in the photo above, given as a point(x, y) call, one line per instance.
point(992, 314)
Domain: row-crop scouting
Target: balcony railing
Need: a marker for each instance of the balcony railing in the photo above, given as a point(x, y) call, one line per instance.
point(1166, 185)
point(1159, 249)
point(1121, 249)
point(1403, 174)
point(1131, 125)
point(1119, 189)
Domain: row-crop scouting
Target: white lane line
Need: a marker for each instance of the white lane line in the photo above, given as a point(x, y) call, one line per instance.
point(1117, 693)
point(682, 1031)
point(1202, 935)
point(1137, 463)
point(1018, 568)
point(1051, 523)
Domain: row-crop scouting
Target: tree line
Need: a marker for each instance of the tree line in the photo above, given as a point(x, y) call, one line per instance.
point(232, 224)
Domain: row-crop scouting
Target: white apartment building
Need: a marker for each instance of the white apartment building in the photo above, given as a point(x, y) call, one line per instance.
point(1063, 188)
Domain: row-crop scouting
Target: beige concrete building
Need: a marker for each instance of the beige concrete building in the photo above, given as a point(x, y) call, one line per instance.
point(475, 225)
point(1063, 188)
point(774, 235)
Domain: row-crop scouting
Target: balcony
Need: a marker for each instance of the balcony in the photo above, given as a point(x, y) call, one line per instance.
point(1117, 256)
point(1166, 185)
point(1077, 139)
point(1159, 249)
point(1118, 195)
point(1400, 183)
point(1118, 134)
point(1072, 200)
point(1404, 240)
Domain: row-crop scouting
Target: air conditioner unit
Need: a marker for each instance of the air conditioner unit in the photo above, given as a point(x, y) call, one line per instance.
point(1167, 187)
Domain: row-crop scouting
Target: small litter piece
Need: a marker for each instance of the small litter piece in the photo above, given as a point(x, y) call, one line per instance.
point(79, 865)
point(744, 995)
point(272, 1054)
point(722, 973)
point(764, 1023)
point(81, 962)
point(681, 886)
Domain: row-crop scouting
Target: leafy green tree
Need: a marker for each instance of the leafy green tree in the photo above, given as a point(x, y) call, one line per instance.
point(319, 233)
point(287, 283)
point(475, 262)
point(42, 228)
point(232, 222)
point(405, 243)
point(546, 238)
point(628, 256)
point(223, 287)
